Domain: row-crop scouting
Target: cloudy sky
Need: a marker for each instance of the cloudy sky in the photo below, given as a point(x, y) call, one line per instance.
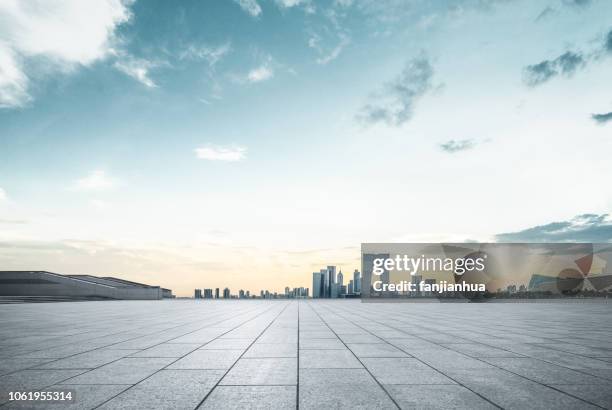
point(247, 143)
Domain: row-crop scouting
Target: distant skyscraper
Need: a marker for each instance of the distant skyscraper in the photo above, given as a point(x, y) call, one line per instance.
point(318, 285)
point(216, 293)
point(208, 294)
point(356, 281)
point(367, 264)
point(350, 287)
point(287, 291)
point(340, 278)
point(226, 293)
point(241, 294)
point(331, 281)
point(198, 294)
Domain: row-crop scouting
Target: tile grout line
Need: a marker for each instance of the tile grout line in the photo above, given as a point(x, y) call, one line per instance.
point(474, 358)
point(510, 371)
point(358, 359)
point(240, 357)
point(179, 358)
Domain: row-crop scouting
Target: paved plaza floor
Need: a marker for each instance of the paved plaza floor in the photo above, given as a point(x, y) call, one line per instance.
point(188, 354)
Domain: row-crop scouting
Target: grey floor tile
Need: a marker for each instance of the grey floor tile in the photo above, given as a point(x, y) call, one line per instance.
point(264, 350)
point(123, 371)
point(514, 392)
point(546, 373)
point(596, 394)
point(207, 359)
point(404, 370)
point(167, 350)
point(168, 389)
point(375, 350)
point(228, 344)
point(341, 389)
point(88, 360)
point(274, 371)
point(321, 344)
point(328, 359)
point(440, 397)
point(251, 397)
point(26, 380)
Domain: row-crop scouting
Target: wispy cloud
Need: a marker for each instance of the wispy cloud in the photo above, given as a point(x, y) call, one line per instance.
point(96, 180)
point(454, 146)
point(394, 103)
point(250, 6)
point(582, 228)
point(326, 55)
point(204, 52)
point(602, 118)
point(577, 3)
point(608, 42)
point(262, 73)
point(68, 34)
point(231, 153)
point(566, 64)
point(137, 68)
point(307, 5)
point(546, 13)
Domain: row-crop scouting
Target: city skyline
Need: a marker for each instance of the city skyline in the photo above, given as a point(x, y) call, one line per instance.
point(248, 143)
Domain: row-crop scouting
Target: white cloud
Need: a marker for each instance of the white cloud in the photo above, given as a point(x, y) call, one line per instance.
point(328, 56)
point(67, 33)
point(3, 196)
point(250, 6)
point(261, 73)
point(211, 54)
point(218, 153)
point(95, 181)
point(137, 68)
point(287, 4)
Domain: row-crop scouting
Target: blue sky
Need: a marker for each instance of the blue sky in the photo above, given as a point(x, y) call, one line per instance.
point(247, 142)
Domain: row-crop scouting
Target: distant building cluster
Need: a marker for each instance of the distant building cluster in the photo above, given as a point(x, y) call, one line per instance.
point(326, 284)
point(295, 293)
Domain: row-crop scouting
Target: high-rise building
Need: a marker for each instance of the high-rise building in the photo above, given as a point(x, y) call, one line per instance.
point(226, 293)
point(356, 281)
point(340, 279)
point(216, 293)
point(248, 293)
point(241, 294)
point(368, 278)
point(331, 281)
point(198, 294)
point(208, 294)
point(318, 285)
point(287, 291)
point(350, 288)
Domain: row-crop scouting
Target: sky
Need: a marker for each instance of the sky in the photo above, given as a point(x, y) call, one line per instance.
point(248, 143)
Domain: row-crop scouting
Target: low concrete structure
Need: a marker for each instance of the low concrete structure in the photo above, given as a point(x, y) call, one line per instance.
point(76, 287)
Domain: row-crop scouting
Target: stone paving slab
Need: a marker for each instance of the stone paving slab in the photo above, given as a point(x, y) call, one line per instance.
point(317, 354)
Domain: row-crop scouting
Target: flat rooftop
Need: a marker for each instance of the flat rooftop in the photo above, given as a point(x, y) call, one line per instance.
point(190, 354)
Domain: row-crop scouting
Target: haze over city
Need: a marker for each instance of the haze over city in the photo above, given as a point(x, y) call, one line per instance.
point(249, 143)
